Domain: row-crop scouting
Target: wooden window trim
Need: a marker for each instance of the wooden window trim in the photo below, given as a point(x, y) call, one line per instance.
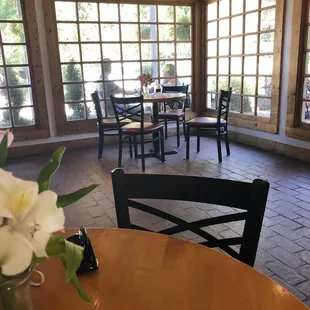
point(41, 127)
point(294, 128)
point(256, 122)
point(65, 127)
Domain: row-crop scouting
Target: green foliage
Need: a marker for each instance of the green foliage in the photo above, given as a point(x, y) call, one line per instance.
point(4, 149)
point(183, 32)
point(66, 200)
point(7, 9)
point(49, 169)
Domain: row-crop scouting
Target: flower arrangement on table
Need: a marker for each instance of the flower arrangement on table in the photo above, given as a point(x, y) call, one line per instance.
point(145, 80)
point(29, 215)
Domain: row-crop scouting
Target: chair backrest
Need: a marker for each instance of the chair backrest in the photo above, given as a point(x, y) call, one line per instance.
point(224, 104)
point(251, 198)
point(128, 109)
point(98, 109)
point(176, 89)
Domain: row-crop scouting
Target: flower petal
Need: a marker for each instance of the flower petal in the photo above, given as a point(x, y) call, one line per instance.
point(18, 255)
point(46, 213)
point(39, 242)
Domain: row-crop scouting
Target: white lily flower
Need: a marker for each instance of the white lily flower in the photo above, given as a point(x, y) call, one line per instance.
point(27, 220)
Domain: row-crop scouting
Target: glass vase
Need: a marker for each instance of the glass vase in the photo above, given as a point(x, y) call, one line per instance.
point(15, 294)
point(145, 90)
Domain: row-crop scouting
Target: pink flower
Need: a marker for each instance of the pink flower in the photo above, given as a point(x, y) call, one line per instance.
point(143, 79)
point(10, 136)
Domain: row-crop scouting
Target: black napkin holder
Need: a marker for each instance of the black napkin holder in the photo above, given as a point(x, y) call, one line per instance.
point(89, 262)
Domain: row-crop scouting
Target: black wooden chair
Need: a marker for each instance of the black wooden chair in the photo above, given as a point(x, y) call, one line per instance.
point(251, 198)
point(131, 108)
point(177, 115)
point(211, 126)
point(106, 126)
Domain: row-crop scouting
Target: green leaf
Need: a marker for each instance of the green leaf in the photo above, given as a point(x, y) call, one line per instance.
point(66, 200)
point(4, 149)
point(72, 258)
point(50, 168)
point(75, 281)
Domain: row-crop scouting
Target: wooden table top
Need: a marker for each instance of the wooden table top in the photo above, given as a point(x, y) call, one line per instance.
point(164, 97)
point(146, 271)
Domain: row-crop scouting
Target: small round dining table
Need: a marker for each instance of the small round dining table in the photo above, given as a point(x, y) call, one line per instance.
point(147, 271)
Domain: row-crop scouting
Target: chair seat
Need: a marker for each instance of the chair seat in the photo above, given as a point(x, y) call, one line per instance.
point(112, 123)
point(171, 114)
point(205, 122)
point(135, 127)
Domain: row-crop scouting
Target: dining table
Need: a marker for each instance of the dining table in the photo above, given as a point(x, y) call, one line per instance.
point(141, 270)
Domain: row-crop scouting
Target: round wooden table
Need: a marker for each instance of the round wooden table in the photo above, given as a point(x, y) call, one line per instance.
point(147, 271)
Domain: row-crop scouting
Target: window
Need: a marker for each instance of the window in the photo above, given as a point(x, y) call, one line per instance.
point(242, 51)
point(105, 46)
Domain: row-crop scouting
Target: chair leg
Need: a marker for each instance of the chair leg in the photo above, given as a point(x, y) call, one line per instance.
point(142, 153)
point(101, 141)
point(227, 143)
point(178, 133)
point(162, 146)
point(130, 146)
point(120, 150)
point(198, 140)
point(135, 147)
point(184, 128)
point(187, 141)
point(219, 147)
point(166, 129)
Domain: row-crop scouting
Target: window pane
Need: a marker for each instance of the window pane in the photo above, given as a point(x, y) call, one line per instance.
point(87, 11)
point(167, 70)
point(2, 77)
point(91, 112)
point(71, 73)
point(23, 117)
point(268, 3)
point(265, 65)
point(108, 12)
point(263, 107)
point(21, 96)
point(15, 54)
point(250, 65)
point(73, 92)
point(224, 28)
point(212, 65)
point(211, 84)
point(183, 32)
point(212, 30)
point(90, 52)
point(212, 11)
point(131, 51)
point(149, 51)
point(12, 32)
point(147, 13)
point(237, 25)
point(166, 32)
point(235, 104)
point(212, 48)
point(131, 70)
point(249, 105)
point(90, 88)
point(5, 119)
point(65, 11)
point(223, 47)
point(251, 5)
point(224, 8)
point(268, 19)
point(267, 42)
point(183, 14)
point(129, 12)
point(115, 74)
point(236, 7)
point(305, 117)
point(151, 68)
point(265, 86)
point(111, 51)
point(249, 85)
point(110, 32)
point(236, 46)
point(1, 58)
point(223, 65)
point(4, 102)
point(75, 111)
point(308, 38)
point(235, 84)
point(306, 92)
point(92, 72)
point(223, 83)
point(211, 101)
point(250, 44)
point(184, 67)
point(148, 32)
point(251, 22)
point(69, 52)
point(112, 88)
point(67, 32)
point(18, 76)
point(89, 32)
point(184, 50)
point(236, 65)
point(130, 32)
point(307, 67)
point(165, 14)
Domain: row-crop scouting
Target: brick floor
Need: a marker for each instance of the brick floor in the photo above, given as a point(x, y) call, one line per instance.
point(284, 248)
